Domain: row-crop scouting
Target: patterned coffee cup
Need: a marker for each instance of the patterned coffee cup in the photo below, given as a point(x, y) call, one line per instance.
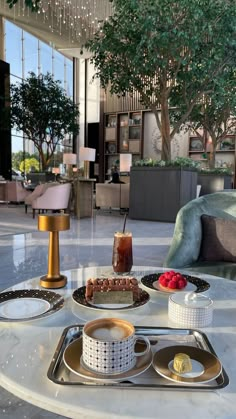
point(109, 346)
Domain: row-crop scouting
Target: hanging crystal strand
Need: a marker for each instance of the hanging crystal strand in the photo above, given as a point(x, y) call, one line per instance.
point(52, 16)
point(18, 8)
point(60, 16)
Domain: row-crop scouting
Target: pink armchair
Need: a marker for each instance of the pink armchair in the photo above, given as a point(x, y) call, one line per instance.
point(54, 198)
point(38, 191)
point(15, 192)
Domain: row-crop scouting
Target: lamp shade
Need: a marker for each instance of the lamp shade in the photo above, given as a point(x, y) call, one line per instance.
point(56, 170)
point(69, 158)
point(87, 154)
point(125, 162)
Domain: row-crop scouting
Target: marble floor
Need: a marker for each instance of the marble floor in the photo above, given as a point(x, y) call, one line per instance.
point(23, 255)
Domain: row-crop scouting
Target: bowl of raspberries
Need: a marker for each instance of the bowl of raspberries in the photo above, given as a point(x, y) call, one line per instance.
point(171, 281)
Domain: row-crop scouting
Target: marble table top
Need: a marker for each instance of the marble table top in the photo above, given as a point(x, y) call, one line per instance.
point(27, 349)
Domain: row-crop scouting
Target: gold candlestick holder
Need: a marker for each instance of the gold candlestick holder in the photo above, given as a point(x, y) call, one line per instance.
point(53, 224)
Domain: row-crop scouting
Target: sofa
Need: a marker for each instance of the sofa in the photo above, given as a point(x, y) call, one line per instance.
point(203, 225)
point(112, 195)
point(13, 191)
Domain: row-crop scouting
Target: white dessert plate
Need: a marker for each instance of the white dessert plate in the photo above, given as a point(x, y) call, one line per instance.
point(79, 298)
point(197, 369)
point(23, 305)
point(194, 284)
point(206, 368)
point(72, 359)
point(189, 287)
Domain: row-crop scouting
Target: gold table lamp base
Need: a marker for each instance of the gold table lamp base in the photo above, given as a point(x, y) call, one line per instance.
point(49, 282)
point(53, 224)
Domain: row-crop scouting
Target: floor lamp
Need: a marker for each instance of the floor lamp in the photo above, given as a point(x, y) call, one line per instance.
point(125, 162)
point(56, 171)
point(69, 159)
point(87, 155)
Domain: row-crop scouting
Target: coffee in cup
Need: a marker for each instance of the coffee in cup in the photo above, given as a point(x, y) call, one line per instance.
point(109, 346)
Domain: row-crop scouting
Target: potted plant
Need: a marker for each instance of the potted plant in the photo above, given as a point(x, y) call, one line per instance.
point(213, 180)
point(158, 189)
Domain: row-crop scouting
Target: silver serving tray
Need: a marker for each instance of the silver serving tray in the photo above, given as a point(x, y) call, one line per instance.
point(159, 338)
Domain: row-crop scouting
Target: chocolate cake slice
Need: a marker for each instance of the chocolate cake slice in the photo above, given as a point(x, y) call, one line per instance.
point(112, 284)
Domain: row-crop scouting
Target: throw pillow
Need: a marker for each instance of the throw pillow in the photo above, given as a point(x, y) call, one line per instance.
point(218, 239)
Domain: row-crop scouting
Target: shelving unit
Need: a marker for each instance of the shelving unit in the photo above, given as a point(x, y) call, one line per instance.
point(225, 152)
point(123, 134)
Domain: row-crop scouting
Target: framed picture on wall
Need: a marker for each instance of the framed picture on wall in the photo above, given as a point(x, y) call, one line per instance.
point(196, 144)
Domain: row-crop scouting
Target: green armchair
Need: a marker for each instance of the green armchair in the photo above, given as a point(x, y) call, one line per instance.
point(186, 244)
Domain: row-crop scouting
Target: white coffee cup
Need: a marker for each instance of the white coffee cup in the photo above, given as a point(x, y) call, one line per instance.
point(109, 345)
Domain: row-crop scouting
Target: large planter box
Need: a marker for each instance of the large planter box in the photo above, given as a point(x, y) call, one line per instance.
point(157, 193)
point(211, 182)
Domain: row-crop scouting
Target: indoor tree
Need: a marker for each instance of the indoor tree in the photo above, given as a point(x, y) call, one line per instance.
point(43, 112)
point(162, 49)
point(215, 115)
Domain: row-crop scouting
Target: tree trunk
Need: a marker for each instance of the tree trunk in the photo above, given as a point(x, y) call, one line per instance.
point(165, 130)
point(212, 155)
point(212, 158)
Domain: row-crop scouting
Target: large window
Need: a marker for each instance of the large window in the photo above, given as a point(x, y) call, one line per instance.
point(25, 53)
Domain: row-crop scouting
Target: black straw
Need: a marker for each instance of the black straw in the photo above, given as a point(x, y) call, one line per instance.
point(124, 223)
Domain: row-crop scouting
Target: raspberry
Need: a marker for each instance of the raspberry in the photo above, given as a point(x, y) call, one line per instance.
point(163, 281)
point(182, 283)
point(172, 284)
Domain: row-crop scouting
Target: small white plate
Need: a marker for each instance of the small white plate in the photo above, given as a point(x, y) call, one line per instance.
point(197, 369)
point(23, 308)
point(200, 285)
point(189, 287)
point(27, 305)
point(210, 365)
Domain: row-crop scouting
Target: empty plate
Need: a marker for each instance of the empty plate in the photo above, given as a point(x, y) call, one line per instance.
point(23, 305)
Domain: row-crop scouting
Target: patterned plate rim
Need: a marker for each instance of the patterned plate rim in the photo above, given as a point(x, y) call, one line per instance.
point(201, 284)
point(55, 300)
point(79, 298)
point(211, 363)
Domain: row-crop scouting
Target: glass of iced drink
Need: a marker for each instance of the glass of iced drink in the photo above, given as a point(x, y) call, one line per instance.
point(122, 258)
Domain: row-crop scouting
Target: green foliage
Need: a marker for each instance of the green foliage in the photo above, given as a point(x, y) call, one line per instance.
point(178, 162)
point(216, 171)
point(18, 157)
point(26, 165)
point(216, 114)
point(169, 52)
point(32, 4)
point(41, 109)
